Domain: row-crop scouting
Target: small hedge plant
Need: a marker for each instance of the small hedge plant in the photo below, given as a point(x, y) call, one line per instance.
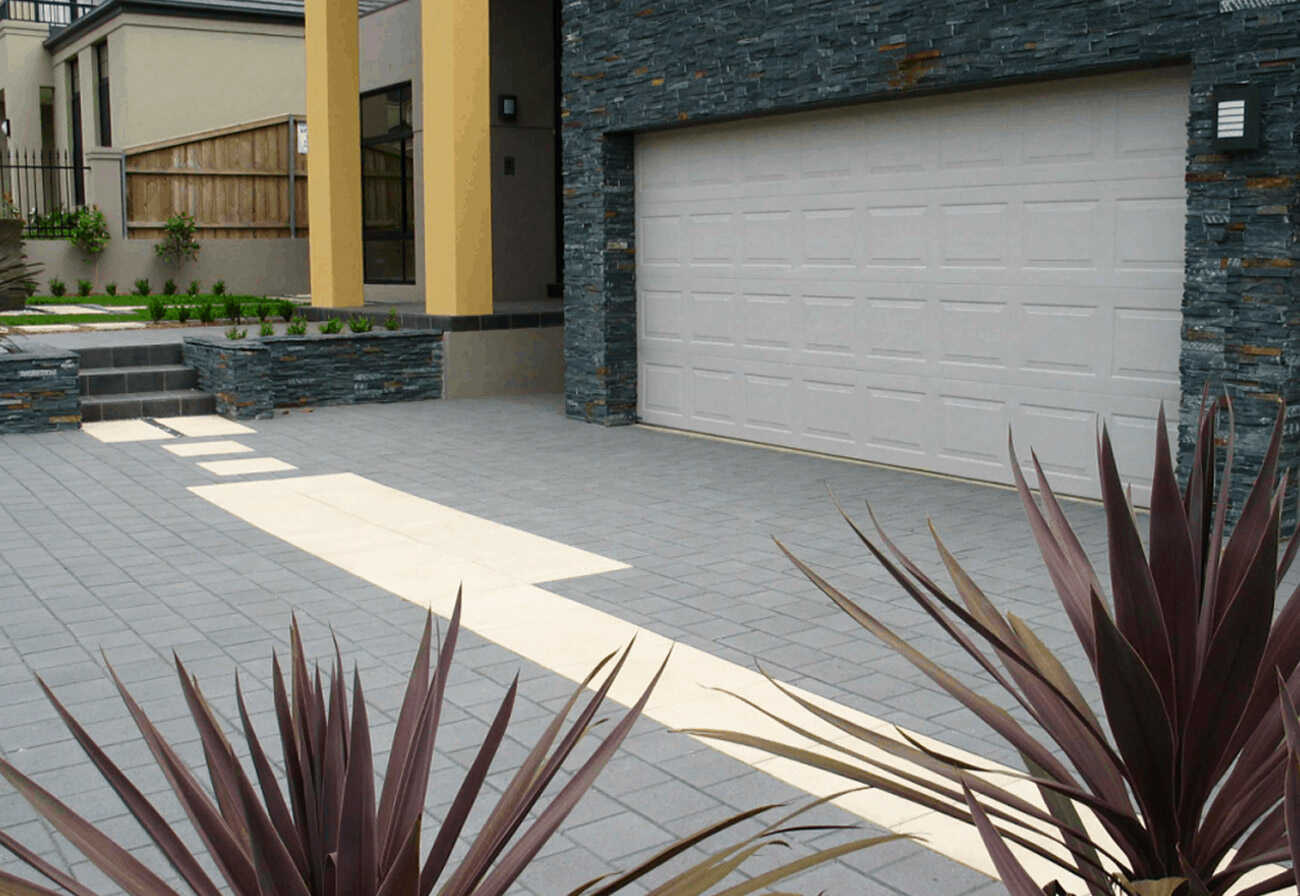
point(89, 231)
point(178, 243)
point(57, 287)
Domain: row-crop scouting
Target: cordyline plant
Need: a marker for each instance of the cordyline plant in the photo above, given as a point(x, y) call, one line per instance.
point(1188, 783)
point(333, 835)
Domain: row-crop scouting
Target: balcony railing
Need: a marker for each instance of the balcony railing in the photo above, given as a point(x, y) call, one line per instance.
point(45, 187)
point(57, 13)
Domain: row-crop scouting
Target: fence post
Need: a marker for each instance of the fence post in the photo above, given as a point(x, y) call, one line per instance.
point(104, 186)
point(293, 164)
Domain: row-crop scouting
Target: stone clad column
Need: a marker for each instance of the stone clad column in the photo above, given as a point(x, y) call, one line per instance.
point(334, 152)
point(456, 103)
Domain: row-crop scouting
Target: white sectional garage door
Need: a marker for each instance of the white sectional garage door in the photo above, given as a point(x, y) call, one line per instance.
point(903, 281)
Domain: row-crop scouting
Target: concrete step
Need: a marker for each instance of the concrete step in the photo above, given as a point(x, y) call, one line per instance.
point(125, 380)
point(130, 406)
point(130, 355)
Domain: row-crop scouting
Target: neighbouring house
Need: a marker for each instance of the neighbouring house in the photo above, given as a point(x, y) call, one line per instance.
point(888, 231)
point(150, 107)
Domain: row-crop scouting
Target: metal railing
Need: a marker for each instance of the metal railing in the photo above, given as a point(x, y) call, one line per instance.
point(57, 13)
point(46, 187)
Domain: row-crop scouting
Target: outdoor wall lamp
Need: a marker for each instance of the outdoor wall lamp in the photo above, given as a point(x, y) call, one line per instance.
point(1236, 117)
point(508, 106)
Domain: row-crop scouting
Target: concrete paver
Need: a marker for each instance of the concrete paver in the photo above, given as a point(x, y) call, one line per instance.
point(103, 544)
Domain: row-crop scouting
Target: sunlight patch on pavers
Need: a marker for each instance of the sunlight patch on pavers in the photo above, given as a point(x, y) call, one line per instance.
point(422, 551)
point(205, 426)
point(246, 465)
point(207, 449)
point(125, 431)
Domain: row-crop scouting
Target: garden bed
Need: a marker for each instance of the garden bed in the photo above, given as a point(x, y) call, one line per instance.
point(254, 376)
point(38, 389)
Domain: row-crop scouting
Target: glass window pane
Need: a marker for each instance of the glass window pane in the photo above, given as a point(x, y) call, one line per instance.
point(383, 261)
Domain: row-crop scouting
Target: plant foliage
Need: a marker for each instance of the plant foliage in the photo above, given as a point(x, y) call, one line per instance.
point(286, 309)
point(142, 286)
point(206, 312)
point(57, 287)
point(84, 288)
point(233, 308)
point(333, 325)
point(178, 243)
point(89, 231)
point(331, 832)
point(169, 287)
point(110, 288)
point(297, 327)
point(1188, 781)
point(359, 324)
point(219, 288)
point(157, 308)
point(267, 328)
point(392, 321)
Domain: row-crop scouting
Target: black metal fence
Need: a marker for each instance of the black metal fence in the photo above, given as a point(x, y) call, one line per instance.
point(52, 12)
point(46, 187)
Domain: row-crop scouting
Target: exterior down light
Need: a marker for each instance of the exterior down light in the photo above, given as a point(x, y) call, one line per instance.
point(1236, 117)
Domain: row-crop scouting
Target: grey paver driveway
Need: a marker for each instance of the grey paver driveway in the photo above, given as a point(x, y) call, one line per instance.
point(102, 546)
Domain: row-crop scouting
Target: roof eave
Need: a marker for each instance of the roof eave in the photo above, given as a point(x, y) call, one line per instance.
point(112, 8)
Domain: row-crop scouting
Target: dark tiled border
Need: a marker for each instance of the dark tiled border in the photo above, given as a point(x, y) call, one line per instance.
point(458, 323)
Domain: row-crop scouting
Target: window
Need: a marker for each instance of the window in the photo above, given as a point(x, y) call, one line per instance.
point(387, 185)
point(101, 97)
point(74, 129)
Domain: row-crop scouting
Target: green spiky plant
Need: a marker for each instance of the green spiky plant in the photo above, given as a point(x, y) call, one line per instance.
point(333, 835)
point(1188, 783)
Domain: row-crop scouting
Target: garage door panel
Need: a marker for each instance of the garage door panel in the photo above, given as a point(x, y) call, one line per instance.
point(904, 281)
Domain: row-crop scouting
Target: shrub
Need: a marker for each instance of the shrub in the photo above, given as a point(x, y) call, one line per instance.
point(89, 231)
point(286, 309)
point(392, 322)
point(169, 287)
point(57, 287)
point(359, 324)
point(30, 286)
point(336, 832)
point(236, 333)
point(268, 328)
point(193, 288)
point(183, 313)
point(233, 308)
point(206, 312)
point(219, 288)
point(84, 288)
point(1187, 659)
point(333, 325)
point(110, 288)
point(263, 309)
point(157, 308)
point(142, 286)
point(297, 327)
point(178, 243)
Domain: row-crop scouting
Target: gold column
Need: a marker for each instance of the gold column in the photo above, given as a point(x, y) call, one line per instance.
point(456, 104)
point(334, 152)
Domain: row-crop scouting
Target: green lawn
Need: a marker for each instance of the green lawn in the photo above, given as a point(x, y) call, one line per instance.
point(248, 309)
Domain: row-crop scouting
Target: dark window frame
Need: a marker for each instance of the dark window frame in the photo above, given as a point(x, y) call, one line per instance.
point(78, 139)
point(403, 135)
point(103, 98)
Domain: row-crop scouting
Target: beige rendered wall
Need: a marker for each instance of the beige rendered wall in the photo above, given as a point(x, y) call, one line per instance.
point(503, 362)
point(24, 69)
point(251, 267)
point(171, 76)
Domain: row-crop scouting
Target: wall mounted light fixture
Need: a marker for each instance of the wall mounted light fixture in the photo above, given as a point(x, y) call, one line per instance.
point(1236, 117)
point(508, 106)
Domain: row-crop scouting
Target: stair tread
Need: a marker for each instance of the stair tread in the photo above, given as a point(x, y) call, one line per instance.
point(143, 368)
point(140, 396)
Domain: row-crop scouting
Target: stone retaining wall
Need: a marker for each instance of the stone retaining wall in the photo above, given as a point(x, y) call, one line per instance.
point(39, 390)
point(252, 377)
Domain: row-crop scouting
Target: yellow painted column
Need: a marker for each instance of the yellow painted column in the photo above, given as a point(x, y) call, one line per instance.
point(456, 106)
point(333, 152)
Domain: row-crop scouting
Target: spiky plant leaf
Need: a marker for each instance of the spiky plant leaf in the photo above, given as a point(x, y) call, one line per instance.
point(333, 835)
point(1192, 763)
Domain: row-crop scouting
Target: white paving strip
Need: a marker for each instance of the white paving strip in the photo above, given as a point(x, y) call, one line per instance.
point(207, 449)
point(247, 465)
point(422, 551)
point(205, 426)
point(125, 431)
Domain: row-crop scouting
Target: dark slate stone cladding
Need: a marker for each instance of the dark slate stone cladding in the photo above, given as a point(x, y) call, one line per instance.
point(252, 377)
point(630, 67)
point(39, 390)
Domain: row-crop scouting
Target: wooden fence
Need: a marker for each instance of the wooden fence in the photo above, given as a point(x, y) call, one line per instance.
point(239, 182)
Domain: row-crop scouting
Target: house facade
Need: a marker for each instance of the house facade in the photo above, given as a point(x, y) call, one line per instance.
point(893, 231)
